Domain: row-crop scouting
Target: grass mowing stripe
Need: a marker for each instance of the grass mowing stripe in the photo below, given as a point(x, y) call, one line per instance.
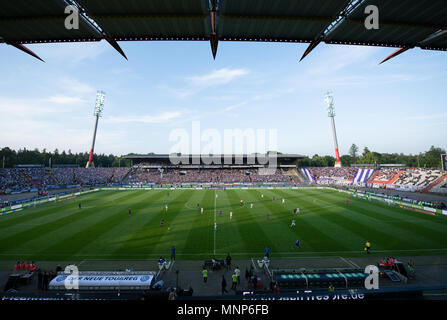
point(73, 244)
point(31, 214)
point(248, 233)
point(176, 218)
point(197, 235)
point(395, 236)
point(417, 232)
point(403, 230)
point(381, 236)
point(313, 214)
point(119, 234)
point(309, 228)
point(326, 227)
point(281, 234)
point(230, 235)
point(136, 241)
point(64, 219)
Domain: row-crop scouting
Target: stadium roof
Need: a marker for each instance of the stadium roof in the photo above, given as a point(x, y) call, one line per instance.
point(403, 24)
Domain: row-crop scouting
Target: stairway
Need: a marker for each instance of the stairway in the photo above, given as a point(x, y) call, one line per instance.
point(52, 177)
point(131, 171)
point(27, 177)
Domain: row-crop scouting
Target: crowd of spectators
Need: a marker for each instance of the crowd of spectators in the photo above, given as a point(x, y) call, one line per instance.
point(40, 176)
point(418, 177)
point(26, 179)
point(63, 176)
point(385, 174)
point(332, 173)
point(15, 179)
point(143, 176)
point(92, 176)
point(119, 174)
point(177, 176)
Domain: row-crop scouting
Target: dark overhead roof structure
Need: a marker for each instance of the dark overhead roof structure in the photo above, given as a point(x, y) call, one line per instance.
point(404, 24)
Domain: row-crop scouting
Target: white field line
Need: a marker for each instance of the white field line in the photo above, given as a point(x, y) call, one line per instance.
point(234, 254)
point(215, 200)
point(254, 265)
point(349, 262)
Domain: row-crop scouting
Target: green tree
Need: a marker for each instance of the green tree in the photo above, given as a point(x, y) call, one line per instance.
point(353, 151)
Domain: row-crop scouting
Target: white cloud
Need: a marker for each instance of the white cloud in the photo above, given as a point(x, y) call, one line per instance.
point(75, 86)
point(61, 99)
point(197, 83)
point(237, 105)
point(216, 77)
point(161, 118)
point(428, 116)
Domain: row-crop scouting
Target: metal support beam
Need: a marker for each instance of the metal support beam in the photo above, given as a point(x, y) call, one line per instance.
point(343, 12)
point(116, 46)
point(25, 49)
point(95, 26)
point(396, 53)
point(311, 46)
point(419, 44)
point(214, 41)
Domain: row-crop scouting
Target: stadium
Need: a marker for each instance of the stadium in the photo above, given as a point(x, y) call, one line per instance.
point(178, 225)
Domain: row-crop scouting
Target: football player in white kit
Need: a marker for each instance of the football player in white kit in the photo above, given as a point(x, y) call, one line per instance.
point(231, 215)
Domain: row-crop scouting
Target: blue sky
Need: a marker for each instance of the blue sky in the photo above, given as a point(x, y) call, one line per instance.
point(399, 106)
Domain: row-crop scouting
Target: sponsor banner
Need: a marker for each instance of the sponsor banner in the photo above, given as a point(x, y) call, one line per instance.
point(20, 207)
point(12, 211)
point(430, 209)
point(444, 212)
point(103, 280)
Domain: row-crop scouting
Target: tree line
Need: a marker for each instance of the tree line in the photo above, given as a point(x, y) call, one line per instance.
point(427, 159)
point(9, 158)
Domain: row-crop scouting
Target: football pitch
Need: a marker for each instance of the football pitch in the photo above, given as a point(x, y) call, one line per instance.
point(326, 226)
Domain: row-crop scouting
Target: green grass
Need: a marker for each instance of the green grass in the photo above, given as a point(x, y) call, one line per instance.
point(102, 229)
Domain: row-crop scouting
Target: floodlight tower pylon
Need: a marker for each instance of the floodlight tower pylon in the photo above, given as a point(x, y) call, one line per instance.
point(99, 107)
point(331, 114)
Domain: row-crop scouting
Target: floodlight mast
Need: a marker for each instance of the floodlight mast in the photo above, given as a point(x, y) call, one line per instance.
point(331, 114)
point(99, 107)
